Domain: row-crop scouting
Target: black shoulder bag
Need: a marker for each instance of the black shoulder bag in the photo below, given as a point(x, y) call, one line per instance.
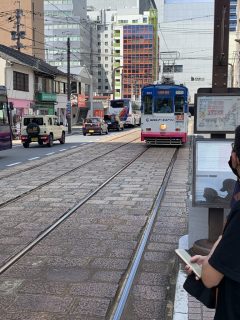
point(197, 289)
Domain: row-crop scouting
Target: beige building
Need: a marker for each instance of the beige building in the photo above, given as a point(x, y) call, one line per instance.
point(25, 19)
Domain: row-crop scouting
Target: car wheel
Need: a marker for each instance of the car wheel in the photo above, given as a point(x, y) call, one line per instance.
point(40, 142)
point(107, 131)
point(26, 145)
point(62, 140)
point(84, 134)
point(50, 141)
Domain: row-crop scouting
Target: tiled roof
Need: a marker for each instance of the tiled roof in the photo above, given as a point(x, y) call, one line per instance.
point(36, 63)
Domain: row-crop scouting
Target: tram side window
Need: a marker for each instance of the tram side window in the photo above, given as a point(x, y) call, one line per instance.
point(163, 105)
point(179, 104)
point(3, 114)
point(147, 104)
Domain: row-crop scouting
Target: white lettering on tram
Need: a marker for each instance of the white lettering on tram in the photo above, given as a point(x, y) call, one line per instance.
point(160, 119)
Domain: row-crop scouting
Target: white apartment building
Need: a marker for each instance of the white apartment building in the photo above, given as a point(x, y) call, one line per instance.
point(104, 20)
point(186, 41)
point(68, 19)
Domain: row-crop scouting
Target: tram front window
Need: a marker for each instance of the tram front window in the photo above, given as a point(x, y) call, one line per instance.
point(147, 104)
point(163, 105)
point(179, 104)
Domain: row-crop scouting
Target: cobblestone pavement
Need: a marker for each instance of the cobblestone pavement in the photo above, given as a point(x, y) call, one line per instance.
point(152, 295)
point(75, 273)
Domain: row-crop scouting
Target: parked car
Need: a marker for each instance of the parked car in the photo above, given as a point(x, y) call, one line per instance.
point(114, 123)
point(94, 125)
point(43, 129)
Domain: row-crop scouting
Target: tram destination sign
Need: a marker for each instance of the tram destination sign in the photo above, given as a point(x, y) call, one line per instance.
point(216, 113)
point(213, 180)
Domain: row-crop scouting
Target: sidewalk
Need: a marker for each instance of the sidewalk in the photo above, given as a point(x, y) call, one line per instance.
point(185, 306)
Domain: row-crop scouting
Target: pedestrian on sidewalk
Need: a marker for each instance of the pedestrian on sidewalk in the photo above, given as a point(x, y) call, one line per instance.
point(221, 267)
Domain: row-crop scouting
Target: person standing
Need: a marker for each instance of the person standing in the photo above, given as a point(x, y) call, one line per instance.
point(221, 267)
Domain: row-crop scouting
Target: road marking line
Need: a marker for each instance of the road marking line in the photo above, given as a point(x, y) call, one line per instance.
point(50, 153)
point(73, 147)
point(33, 158)
point(12, 164)
point(61, 150)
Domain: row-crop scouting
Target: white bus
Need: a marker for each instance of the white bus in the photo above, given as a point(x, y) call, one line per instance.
point(128, 111)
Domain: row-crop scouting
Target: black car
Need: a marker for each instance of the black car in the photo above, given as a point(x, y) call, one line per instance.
point(114, 123)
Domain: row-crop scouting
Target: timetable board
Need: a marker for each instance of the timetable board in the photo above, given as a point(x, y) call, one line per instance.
point(216, 113)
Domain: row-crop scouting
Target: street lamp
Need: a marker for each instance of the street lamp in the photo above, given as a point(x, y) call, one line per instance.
point(113, 80)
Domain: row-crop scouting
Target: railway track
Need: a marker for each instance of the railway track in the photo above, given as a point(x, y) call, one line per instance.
point(69, 171)
point(82, 265)
point(11, 172)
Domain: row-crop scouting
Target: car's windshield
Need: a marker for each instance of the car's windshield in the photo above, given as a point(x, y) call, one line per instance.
point(92, 120)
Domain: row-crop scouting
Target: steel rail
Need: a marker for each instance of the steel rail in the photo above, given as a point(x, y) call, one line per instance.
point(24, 194)
point(61, 219)
point(70, 153)
point(121, 299)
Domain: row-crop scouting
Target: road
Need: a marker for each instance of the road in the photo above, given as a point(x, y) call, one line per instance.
point(19, 155)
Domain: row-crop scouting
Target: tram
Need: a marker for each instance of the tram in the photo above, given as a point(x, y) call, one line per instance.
point(5, 128)
point(165, 114)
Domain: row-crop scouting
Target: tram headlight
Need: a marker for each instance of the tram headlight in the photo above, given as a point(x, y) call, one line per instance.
point(163, 126)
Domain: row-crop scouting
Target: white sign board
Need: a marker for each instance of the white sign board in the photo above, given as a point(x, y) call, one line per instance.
point(218, 113)
point(213, 179)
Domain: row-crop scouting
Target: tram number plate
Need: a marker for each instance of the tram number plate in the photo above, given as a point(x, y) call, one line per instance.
point(91, 131)
point(34, 139)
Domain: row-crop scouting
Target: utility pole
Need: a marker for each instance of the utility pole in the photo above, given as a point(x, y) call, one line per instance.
point(219, 85)
point(69, 106)
point(18, 35)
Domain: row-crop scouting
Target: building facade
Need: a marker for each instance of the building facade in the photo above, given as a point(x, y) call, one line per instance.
point(140, 5)
point(186, 37)
point(68, 19)
point(22, 26)
point(135, 51)
point(121, 32)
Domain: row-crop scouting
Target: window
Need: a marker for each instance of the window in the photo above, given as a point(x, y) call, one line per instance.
point(20, 81)
point(147, 104)
point(63, 87)
point(172, 68)
point(73, 87)
point(163, 105)
point(3, 113)
point(179, 104)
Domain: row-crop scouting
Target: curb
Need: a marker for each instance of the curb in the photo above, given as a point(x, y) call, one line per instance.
point(180, 311)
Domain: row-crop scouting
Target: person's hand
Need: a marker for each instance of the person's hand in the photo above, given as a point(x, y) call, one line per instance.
point(198, 259)
point(195, 259)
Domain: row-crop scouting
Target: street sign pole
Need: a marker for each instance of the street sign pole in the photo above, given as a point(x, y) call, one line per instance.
point(69, 107)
